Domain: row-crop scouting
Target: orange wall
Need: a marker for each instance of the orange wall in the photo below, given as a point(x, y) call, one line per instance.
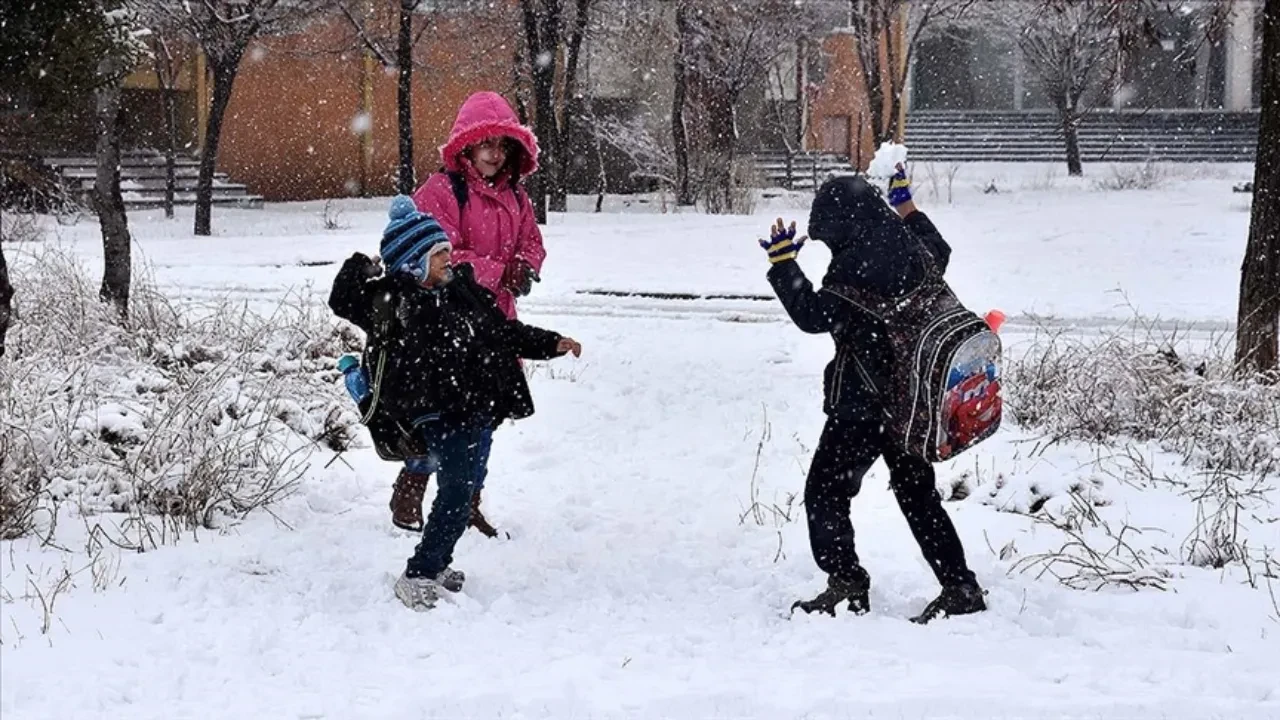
point(289, 132)
point(843, 93)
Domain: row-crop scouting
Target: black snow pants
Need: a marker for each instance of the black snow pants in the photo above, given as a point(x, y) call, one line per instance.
point(845, 453)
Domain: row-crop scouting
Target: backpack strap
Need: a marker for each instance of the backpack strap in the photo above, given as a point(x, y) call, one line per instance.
point(386, 330)
point(459, 183)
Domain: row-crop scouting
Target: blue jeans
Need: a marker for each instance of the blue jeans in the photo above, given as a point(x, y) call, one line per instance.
point(430, 464)
point(453, 450)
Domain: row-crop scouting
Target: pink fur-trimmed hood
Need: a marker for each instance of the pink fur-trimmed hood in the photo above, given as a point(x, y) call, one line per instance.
point(485, 115)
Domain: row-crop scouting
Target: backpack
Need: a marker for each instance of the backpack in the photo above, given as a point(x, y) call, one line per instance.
point(394, 439)
point(458, 182)
point(944, 393)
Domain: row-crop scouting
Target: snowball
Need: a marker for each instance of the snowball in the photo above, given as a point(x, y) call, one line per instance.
point(884, 164)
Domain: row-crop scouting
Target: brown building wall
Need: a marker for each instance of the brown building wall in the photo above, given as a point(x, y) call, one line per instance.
point(839, 120)
point(291, 130)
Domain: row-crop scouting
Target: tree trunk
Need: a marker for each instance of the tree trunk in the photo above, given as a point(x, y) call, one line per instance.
point(870, 23)
point(6, 297)
point(542, 35)
point(224, 76)
point(1258, 323)
point(170, 152)
point(718, 180)
point(574, 108)
point(602, 174)
point(164, 81)
point(1071, 134)
point(405, 180)
point(107, 200)
point(684, 190)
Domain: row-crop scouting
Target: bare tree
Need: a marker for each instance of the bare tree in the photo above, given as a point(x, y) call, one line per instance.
point(554, 31)
point(167, 71)
point(680, 97)
point(398, 53)
point(1257, 331)
point(1073, 46)
point(108, 201)
point(885, 46)
point(728, 49)
point(224, 29)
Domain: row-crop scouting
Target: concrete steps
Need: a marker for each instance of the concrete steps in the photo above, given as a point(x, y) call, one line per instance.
point(800, 171)
point(142, 181)
point(1105, 136)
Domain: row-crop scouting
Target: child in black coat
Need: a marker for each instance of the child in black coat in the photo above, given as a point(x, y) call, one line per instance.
point(447, 366)
point(887, 256)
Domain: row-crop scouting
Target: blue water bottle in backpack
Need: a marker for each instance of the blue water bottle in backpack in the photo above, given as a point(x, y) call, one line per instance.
point(353, 376)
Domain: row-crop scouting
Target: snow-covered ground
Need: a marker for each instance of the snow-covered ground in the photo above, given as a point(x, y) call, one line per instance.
point(638, 583)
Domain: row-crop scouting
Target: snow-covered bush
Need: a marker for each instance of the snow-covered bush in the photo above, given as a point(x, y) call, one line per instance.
point(193, 413)
point(1147, 176)
point(1131, 385)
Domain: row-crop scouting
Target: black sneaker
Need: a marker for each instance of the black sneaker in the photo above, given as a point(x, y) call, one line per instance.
point(857, 592)
point(955, 600)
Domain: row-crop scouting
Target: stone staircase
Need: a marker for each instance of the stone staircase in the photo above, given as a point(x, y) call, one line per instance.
point(1105, 136)
point(142, 181)
point(798, 171)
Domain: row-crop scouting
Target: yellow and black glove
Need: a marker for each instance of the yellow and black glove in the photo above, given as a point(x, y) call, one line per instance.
point(899, 187)
point(782, 245)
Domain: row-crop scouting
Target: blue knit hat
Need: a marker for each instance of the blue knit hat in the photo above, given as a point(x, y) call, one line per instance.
point(411, 236)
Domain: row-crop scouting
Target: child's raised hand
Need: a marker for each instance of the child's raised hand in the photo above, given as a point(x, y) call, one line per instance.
point(782, 245)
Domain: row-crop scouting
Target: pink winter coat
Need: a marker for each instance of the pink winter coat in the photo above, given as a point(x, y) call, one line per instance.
point(496, 227)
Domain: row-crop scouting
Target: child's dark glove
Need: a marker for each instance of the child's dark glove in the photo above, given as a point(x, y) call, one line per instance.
point(782, 244)
point(518, 278)
point(899, 187)
point(362, 266)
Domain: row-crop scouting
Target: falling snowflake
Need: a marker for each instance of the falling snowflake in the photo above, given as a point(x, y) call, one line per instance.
point(361, 123)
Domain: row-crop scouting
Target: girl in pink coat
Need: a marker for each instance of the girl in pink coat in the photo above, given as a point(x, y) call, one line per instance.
point(493, 230)
point(480, 204)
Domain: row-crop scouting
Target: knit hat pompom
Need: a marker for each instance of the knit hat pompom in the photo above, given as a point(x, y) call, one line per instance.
point(402, 207)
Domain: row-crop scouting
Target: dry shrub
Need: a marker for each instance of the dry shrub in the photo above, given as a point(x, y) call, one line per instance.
point(197, 414)
point(1147, 176)
point(1131, 384)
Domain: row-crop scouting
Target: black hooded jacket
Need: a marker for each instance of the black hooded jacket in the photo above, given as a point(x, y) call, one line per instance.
point(871, 249)
point(449, 351)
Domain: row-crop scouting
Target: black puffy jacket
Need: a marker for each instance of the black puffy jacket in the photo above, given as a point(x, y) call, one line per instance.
point(449, 351)
point(871, 248)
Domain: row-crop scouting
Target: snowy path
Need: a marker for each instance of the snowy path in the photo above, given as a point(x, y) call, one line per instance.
point(631, 589)
point(1067, 252)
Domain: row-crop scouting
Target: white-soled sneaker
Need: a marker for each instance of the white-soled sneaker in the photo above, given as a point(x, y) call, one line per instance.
point(419, 593)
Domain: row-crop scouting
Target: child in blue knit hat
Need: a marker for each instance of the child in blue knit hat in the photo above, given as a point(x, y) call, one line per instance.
point(446, 366)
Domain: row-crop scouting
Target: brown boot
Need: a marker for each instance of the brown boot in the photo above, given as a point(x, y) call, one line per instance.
point(477, 518)
point(406, 500)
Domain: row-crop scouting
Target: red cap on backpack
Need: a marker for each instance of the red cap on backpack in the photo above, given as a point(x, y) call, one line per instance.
point(995, 319)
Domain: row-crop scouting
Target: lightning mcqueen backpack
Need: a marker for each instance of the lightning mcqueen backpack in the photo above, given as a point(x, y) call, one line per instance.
point(944, 391)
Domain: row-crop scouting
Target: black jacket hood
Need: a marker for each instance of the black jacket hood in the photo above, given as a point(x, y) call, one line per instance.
point(847, 211)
